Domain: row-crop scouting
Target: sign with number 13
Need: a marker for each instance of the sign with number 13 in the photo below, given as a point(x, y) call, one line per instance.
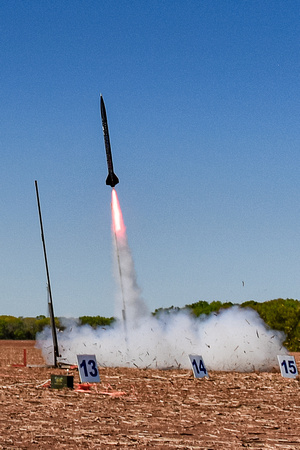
point(88, 369)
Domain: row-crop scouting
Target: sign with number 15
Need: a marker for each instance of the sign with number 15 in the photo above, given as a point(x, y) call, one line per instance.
point(88, 369)
point(287, 366)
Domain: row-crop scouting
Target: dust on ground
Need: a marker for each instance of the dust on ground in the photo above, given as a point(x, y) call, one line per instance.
point(138, 408)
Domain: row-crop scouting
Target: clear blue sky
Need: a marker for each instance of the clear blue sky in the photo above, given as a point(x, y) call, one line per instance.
point(203, 108)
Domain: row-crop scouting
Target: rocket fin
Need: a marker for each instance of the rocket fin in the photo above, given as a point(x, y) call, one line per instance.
point(112, 179)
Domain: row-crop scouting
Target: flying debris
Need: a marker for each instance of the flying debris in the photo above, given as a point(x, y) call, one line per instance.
point(112, 178)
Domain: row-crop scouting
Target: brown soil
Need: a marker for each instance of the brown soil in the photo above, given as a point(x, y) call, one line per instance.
point(135, 408)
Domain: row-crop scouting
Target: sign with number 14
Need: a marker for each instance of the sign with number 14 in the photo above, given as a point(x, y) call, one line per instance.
point(198, 366)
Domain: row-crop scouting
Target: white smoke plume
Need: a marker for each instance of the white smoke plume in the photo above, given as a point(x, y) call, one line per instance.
point(128, 293)
point(236, 339)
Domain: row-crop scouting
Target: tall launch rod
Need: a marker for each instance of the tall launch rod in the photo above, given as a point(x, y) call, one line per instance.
point(50, 303)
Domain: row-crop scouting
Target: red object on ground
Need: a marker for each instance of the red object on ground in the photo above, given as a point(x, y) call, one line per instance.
point(83, 387)
point(24, 360)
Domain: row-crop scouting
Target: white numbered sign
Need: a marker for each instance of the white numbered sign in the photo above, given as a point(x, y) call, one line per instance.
point(287, 366)
point(88, 369)
point(198, 366)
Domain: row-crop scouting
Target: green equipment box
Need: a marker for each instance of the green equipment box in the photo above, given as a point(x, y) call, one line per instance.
point(62, 381)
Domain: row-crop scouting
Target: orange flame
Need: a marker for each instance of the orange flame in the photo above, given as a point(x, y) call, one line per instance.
point(118, 224)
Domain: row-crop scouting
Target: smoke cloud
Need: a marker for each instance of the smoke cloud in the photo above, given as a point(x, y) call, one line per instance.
point(235, 339)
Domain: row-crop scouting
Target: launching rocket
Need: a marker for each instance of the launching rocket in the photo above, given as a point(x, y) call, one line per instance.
point(112, 178)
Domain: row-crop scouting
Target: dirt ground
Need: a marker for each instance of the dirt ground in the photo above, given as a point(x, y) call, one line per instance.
point(137, 408)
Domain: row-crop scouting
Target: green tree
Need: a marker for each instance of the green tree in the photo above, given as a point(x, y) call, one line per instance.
point(96, 321)
point(282, 315)
point(203, 307)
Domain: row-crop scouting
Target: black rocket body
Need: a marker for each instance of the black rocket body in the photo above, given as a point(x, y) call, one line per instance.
point(112, 178)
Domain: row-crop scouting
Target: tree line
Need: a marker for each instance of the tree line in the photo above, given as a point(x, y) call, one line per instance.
point(279, 314)
point(282, 315)
point(26, 328)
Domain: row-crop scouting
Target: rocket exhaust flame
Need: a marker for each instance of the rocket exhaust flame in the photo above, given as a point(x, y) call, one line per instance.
point(129, 307)
point(119, 230)
point(117, 217)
